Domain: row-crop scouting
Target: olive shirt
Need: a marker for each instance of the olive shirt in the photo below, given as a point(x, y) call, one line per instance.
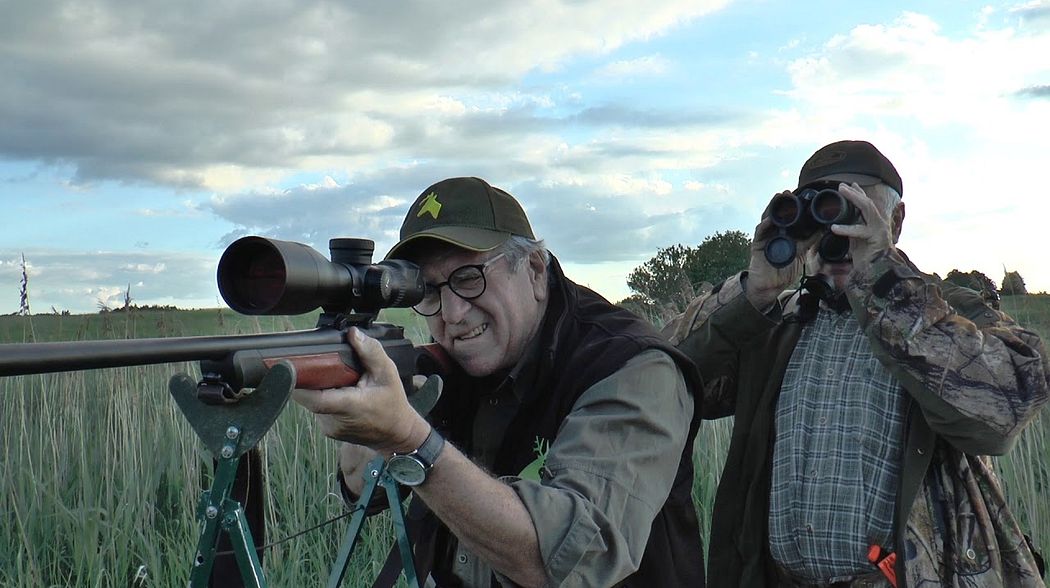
point(609, 470)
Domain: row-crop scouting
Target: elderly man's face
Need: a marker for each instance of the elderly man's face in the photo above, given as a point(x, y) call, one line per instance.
point(488, 333)
point(838, 272)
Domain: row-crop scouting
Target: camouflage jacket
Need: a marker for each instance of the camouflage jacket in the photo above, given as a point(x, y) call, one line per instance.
point(974, 377)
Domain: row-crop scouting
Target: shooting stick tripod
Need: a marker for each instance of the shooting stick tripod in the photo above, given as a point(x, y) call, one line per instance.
point(228, 431)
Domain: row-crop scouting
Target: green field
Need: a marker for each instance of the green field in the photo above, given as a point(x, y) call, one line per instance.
point(101, 474)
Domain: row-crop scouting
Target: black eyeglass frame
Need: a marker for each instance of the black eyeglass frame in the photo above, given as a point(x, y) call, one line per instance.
point(481, 267)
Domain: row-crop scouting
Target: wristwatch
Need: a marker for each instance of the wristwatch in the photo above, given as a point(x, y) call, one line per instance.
point(411, 469)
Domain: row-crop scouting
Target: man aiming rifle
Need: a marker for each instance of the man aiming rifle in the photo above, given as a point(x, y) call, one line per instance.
point(568, 421)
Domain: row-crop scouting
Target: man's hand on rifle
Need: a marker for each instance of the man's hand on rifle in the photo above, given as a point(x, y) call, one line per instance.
point(375, 412)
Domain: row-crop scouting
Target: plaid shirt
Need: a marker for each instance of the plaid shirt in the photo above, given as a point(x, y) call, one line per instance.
point(837, 453)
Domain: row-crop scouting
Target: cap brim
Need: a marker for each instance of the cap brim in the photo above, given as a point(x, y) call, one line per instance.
point(860, 179)
point(469, 238)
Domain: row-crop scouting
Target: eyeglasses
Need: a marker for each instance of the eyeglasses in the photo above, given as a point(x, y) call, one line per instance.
point(467, 282)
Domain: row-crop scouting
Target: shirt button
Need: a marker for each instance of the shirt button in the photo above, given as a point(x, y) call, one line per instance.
point(970, 553)
point(823, 420)
point(462, 558)
point(920, 451)
point(493, 401)
point(829, 372)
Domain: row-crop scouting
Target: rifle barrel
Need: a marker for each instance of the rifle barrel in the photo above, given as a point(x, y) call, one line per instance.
point(38, 358)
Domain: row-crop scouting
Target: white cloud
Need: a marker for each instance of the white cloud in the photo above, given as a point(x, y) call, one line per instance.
point(650, 65)
point(144, 268)
point(78, 281)
point(197, 95)
point(359, 109)
point(950, 113)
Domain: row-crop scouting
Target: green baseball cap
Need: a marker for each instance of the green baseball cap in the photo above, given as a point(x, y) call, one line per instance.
point(466, 212)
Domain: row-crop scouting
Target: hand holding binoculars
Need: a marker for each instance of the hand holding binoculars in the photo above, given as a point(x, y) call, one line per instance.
point(800, 214)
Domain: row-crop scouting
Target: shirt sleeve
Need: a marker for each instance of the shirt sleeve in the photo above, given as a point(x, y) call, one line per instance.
point(977, 375)
point(608, 472)
point(711, 332)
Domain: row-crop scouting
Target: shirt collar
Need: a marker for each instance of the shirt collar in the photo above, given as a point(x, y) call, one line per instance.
point(522, 376)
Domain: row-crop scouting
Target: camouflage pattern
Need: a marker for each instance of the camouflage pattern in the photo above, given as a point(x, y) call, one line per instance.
point(975, 377)
point(977, 533)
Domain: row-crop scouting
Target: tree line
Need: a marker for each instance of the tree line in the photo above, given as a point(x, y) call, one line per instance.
point(664, 285)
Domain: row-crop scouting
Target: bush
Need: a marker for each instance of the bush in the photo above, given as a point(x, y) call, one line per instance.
point(678, 273)
point(1013, 284)
point(973, 280)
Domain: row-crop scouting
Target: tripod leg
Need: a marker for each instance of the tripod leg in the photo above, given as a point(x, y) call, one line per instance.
point(211, 510)
point(357, 521)
point(235, 523)
point(397, 515)
point(249, 489)
point(205, 556)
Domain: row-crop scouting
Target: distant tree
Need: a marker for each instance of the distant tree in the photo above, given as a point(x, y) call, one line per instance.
point(678, 273)
point(973, 280)
point(663, 279)
point(1013, 284)
point(641, 306)
point(718, 257)
point(23, 299)
point(127, 298)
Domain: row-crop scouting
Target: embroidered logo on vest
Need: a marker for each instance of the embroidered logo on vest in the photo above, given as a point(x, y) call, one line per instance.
point(532, 471)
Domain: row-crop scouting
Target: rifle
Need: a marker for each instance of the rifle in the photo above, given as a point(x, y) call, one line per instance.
point(247, 379)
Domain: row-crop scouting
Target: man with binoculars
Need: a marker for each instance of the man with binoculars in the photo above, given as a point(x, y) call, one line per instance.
point(865, 399)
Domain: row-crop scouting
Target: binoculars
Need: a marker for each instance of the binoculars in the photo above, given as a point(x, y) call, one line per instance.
point(802, 213)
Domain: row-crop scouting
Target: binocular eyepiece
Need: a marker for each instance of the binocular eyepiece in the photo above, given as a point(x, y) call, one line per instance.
point(260, 276)
point(802, 213)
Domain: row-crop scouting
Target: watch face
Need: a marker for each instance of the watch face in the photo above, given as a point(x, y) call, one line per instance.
point(407, 469)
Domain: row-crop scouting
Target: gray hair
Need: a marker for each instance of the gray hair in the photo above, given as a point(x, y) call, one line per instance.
point(517, 249)
point(890, 197)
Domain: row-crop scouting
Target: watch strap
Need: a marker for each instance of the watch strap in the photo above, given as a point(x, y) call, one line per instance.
point(431, 448)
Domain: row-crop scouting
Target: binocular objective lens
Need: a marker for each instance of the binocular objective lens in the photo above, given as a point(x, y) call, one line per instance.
point(833, 247)
point(780, 251)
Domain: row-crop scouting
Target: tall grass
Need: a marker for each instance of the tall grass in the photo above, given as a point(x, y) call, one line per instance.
point(1025, 471)
point(101, 473)
point(101, 477)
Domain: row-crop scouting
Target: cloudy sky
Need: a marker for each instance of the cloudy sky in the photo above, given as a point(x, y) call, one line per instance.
point(138, 139)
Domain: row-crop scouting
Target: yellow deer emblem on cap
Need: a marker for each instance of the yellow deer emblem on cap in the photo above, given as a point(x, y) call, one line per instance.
point(430, 204)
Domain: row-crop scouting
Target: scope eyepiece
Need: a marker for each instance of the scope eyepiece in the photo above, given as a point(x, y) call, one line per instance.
point(261, 276)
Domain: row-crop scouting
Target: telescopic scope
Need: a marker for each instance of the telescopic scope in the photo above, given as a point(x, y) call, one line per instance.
point(261, 276)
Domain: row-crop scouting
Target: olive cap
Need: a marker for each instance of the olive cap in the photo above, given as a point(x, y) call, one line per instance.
point(845, 160)
point(466, 212)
